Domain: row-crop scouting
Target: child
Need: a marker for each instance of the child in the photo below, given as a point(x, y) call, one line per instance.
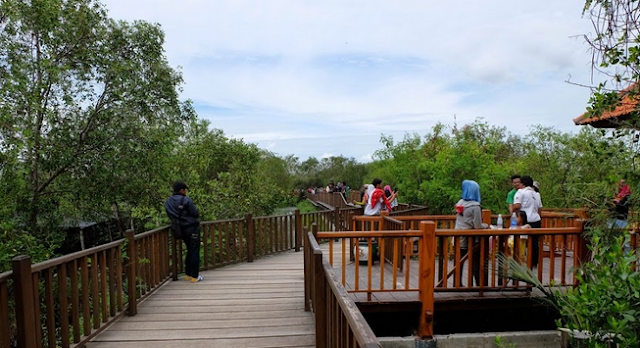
point(521, 218)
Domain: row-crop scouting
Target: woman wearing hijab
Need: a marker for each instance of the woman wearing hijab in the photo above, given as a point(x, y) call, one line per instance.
point(469, 216)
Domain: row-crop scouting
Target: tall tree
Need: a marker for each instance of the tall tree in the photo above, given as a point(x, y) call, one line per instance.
point(81, 92)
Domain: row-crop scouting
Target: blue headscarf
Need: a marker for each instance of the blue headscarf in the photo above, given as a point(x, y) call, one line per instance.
point(470, 191)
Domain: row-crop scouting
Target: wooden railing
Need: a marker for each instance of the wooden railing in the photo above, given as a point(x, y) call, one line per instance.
point(68, 300)
point(339, 322)
point(441, 265)
point(336, 200)
point(97, 285)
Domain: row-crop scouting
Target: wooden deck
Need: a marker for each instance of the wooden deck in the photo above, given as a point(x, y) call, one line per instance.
point(381, 296)
point(258, 305)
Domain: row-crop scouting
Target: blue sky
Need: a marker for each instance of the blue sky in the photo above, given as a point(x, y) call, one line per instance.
point(322, 78)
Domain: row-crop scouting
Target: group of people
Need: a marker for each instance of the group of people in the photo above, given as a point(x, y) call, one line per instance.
point(375, 199)
point(523, 200)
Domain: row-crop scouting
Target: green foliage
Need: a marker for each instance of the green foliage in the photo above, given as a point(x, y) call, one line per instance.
point(90, 108)
point(605, 304)
point(615, 46)
point(429, 170)
point(607, 301)
point(23, 243)
point(499, 342)
point(305, 207)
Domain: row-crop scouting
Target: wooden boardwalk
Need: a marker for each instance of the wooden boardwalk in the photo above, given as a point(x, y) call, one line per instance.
point(258, 305)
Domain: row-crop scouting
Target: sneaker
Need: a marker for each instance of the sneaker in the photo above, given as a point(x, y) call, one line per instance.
point(187, 277)
point(199, 279)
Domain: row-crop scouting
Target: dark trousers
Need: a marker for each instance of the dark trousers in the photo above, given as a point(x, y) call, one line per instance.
point(475, 262)
point(535, 243)
point(191, 238)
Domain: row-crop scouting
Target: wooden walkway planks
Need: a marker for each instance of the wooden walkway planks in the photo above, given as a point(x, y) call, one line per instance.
point(259, 305)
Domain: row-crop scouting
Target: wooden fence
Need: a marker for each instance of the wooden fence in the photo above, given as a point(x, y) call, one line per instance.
point(339, 323)
point(68, 300)
point(440, 263)
point(95, 285)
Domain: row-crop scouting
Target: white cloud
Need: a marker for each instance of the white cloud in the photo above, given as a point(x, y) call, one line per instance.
point(316, 78)
point(327, 155)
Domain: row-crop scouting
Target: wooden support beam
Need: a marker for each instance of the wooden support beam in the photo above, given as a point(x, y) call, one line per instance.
point(25, 316)
point(132, 252)
point(427, 278)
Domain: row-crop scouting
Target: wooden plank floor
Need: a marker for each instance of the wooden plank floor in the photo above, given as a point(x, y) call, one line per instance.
point(258, 305)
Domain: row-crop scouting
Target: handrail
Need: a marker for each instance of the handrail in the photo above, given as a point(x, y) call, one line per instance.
point(336, 329)
point(444, 276)
point(96, 284)
point(69, 257)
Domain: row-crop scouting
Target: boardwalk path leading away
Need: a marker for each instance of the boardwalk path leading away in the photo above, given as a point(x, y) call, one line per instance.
point(258, 305)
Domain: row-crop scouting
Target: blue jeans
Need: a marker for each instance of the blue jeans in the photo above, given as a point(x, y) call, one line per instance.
point(620, 224)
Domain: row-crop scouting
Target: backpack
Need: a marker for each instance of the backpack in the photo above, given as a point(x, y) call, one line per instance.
point(175, 222)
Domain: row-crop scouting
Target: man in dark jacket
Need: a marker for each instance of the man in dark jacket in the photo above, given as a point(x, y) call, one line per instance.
point(181, 208)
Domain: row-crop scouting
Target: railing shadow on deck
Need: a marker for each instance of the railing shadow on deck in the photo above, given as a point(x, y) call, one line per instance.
point(68, 300)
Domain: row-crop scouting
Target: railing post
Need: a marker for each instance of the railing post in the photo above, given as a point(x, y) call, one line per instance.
point(336, 221)
point(307, 272)
point(319, 302)
point(25, 315)
point(251, 241)
point(314, 230)
point(486, 216)
point(299, 231)
point(131, 273)
point(427, 278)
point(174, 256)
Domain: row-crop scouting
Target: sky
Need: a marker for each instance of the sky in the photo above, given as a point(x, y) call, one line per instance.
point(328, 78)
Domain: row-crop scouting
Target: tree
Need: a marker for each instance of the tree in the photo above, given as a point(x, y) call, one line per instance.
point(615, 46)
point(82, 96)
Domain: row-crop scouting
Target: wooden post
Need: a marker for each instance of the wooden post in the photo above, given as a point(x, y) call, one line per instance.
point(25, 316)
point(486, 216)
point(174, 256)
point(583, 251)
point(307, 272)
point(427, 268)
point(320, 300)
point(336, 221)
point(251, 242)
point(131, 273)
point(299, 232)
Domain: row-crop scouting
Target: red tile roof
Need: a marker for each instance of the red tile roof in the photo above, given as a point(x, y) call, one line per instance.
point(612, 119)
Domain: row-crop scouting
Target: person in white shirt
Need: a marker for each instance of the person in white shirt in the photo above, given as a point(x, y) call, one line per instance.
point(376, 199)
point(528, 200)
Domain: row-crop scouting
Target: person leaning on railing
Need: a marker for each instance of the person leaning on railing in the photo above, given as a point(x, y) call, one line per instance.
point(181, 209)
point(468, 217)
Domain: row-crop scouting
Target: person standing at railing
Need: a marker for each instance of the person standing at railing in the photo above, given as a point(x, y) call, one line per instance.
point(180, 208)
point(515, 182)
point(529, 201)
point(365, 191)
point(388, 192)
point(376, 199)
point(468, 217)
point(619, 208)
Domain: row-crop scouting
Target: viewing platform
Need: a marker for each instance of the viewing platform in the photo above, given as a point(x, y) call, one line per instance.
point(291, 280)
